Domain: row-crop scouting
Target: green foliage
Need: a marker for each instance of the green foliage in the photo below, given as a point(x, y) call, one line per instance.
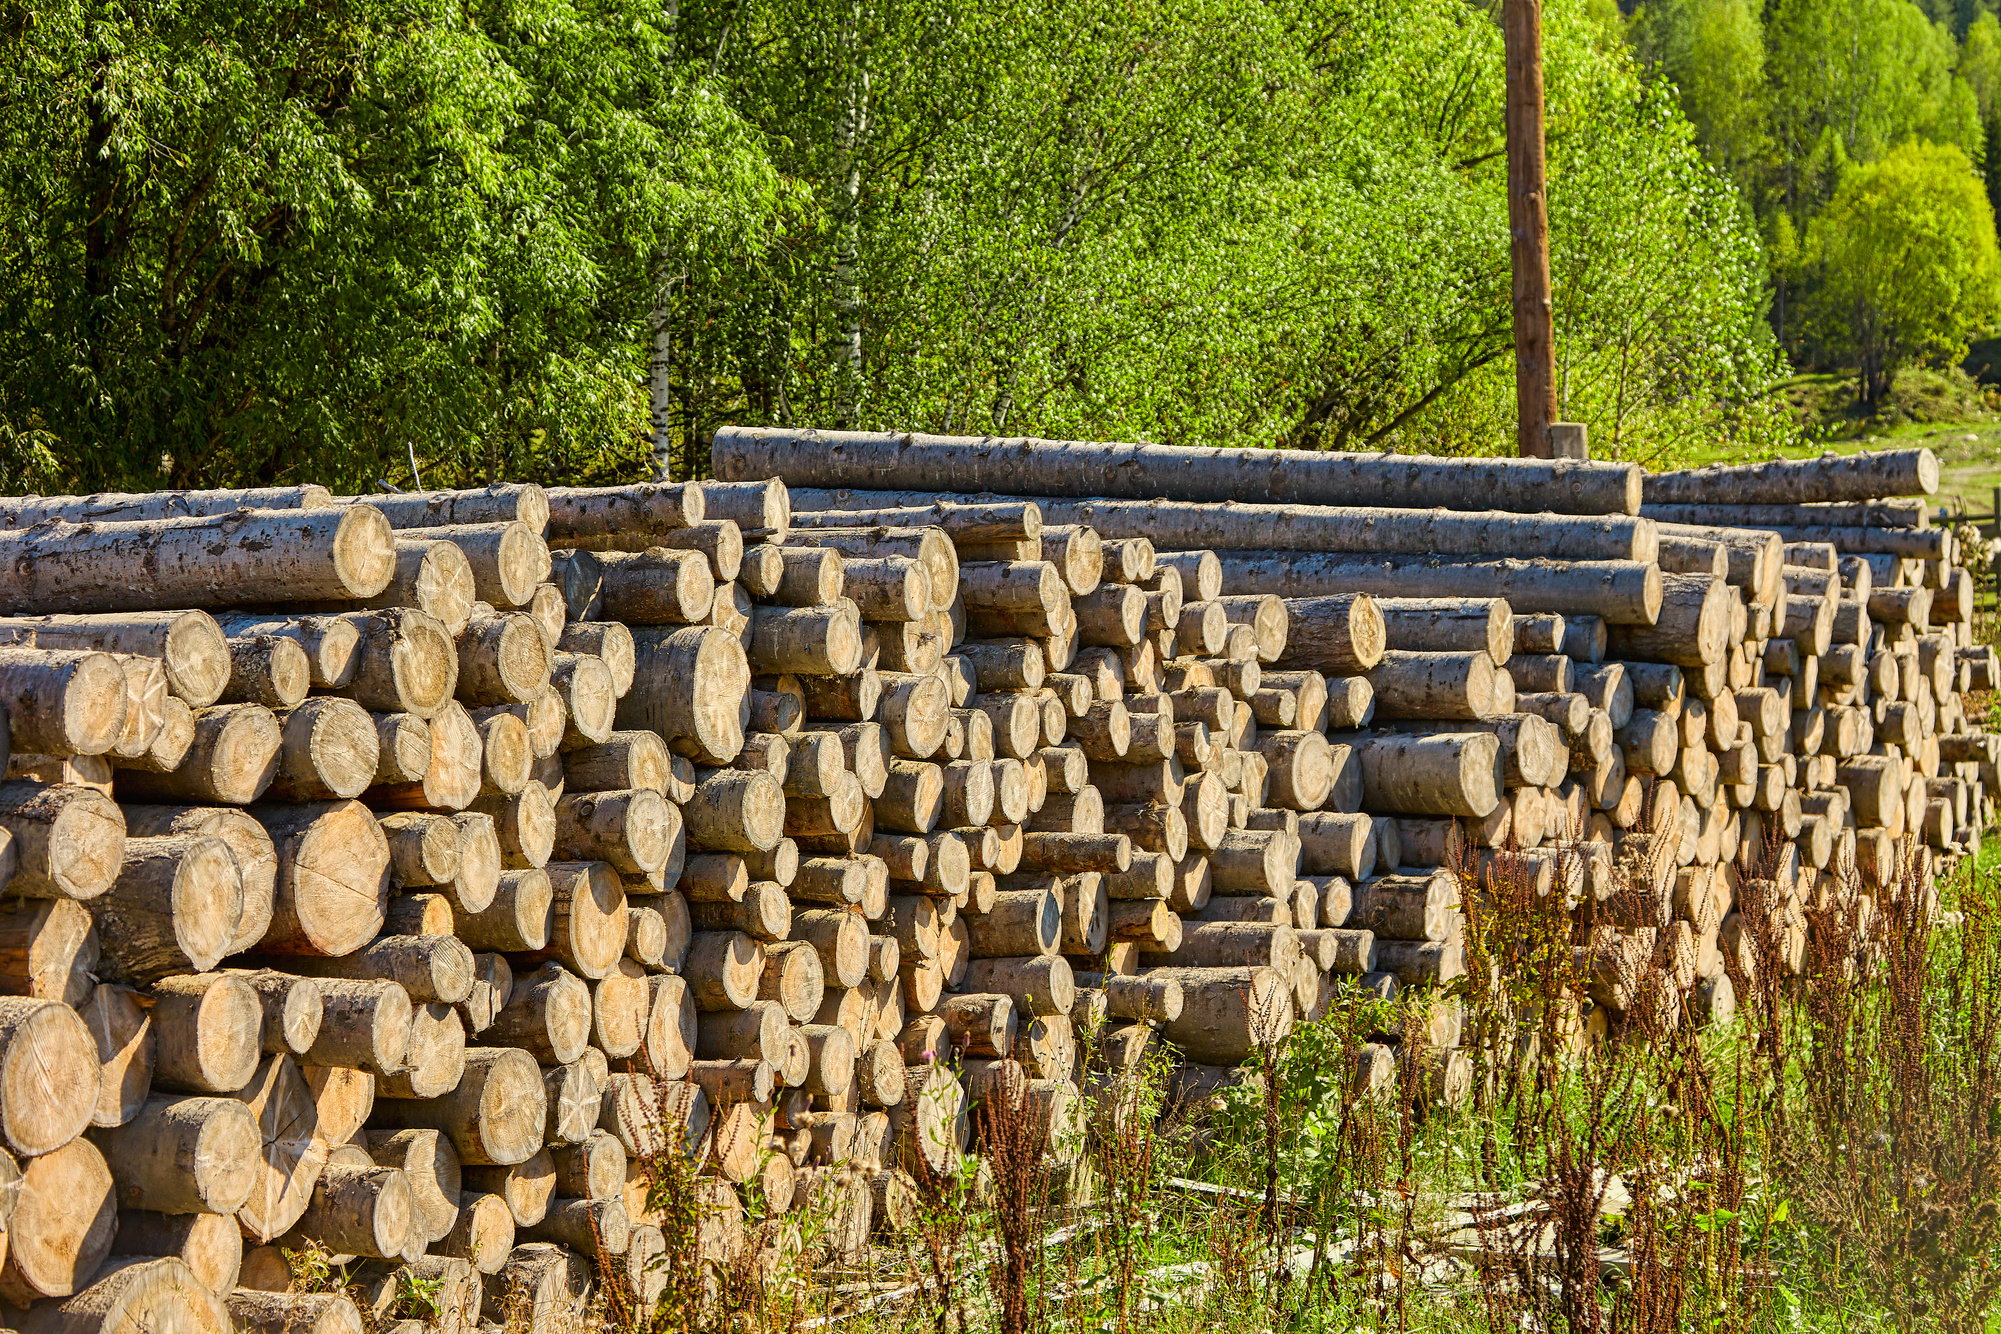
point(1713, 52)
point(567, 238)
point(1852, 79)
point(1220, 222)
point(253, 241)
point(1790, 98)
point(1905, 261)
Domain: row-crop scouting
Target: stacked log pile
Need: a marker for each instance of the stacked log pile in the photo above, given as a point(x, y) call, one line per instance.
point(1688, 714)
point(396, 879)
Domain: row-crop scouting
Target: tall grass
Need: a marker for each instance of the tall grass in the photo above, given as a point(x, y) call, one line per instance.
point(1829, 1158)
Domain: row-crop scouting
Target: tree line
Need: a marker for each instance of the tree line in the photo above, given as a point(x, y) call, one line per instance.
point(1864, 137)
point(437, 241)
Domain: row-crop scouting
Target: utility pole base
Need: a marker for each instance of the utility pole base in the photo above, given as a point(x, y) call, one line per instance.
point(1568, 440)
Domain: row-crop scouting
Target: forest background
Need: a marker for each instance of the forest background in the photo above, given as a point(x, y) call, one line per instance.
point(356, 241)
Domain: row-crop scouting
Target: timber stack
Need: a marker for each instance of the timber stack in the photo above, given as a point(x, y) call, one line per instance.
point(398, 878)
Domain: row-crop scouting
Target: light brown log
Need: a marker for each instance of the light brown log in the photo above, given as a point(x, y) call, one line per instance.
point(1342, 634)
point(656, 587)
point(940, 463)
point(1448, 625)
point(332, 644)
point(1228, 1012)
point(406, 662)
point(736, 810)
point(579, 514)
point(507, 753)
point(548, 1012)
point(689, 687)
point(621, 1004)
point(48, 948)
point(62, 1226)
point(293, 1008)
point(231, 760)
point(632, 829)
point(328, 748)
point(926, 545)
point(176, 908)
point(1435, 685)
point(237, 559)
point(1691, 630)
point(424, 848)
point(504, 502)
point(525, 1187)
point(723, 969)
point(293, 1152)
point(188, 644)
point(63, 701)
point(48, 1072)
point(358, 1208)
point(433, 576)
point(119, 1023)
point(427, 968)
point(589, 695)
point(482, 1234)
point(67, 841)
point(587, 931)
point(403, 745)
point(1041, 986)
point(541, 1287)
point(427, 1159)
point(185, 1155)
point(294, 1312)
point(211, 1245)
point(519, 917)
point(819, 641)
point(1627, 592)
point(333, 877)
point(508, 559)
point(496, 1115)
point(1830, 477)
point(503, 658)
point(524, 824)
point(135, 1295)
point(271, 670)
point(1453, 773)
point(145, 706)
point(720, 541)
point(364, 1024)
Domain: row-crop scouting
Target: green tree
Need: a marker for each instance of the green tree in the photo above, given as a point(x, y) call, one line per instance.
point(1213, 221)
point(256, 241)
point(1850, 79)
point(1905, 263)
point(1713, 52)
point(1980, 67)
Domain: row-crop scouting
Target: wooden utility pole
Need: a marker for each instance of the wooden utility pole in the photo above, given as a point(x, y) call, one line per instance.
point(1528, 224)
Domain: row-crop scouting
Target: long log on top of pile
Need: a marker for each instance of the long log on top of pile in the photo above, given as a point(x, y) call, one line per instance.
point(1828, 478)
point(1228, 526)
point(1175, 472)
